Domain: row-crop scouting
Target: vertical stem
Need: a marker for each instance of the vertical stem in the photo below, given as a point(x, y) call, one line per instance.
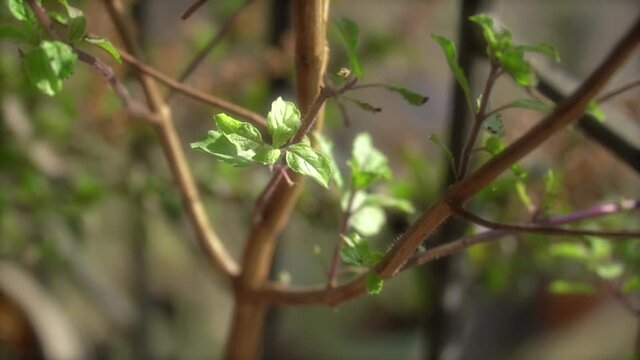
point(247, 328)
point(335, 261)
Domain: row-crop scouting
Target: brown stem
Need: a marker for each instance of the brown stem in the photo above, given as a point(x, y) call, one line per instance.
point(344, 224)
point(608, 96)
point(173, 150)
point(193, 8)
point(479, 118)
point(569, 110)
point(254, 118)
point(245, 336)
point(540, 228)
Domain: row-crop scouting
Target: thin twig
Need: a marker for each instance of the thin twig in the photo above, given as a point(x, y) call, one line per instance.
point(255, 118)
point(479, 118)
point(540, 229)
point(608, 96)
point(209, 241)
point(464, 242)
point(344, 224)
point(215, 40)
point(193, 8)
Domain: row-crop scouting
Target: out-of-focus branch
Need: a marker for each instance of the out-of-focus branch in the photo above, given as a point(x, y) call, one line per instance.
point(254, 118)
point(193, 8)
point(215, 40)
point(173, 149)
point(541, 228)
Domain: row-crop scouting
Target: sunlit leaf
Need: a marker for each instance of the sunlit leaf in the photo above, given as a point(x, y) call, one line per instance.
point(326, 147)
point(267, 155)
point(367, 163)
point(49, 65)
point(283, 121)
point(368, 220)
point(596, 111)
point(305, 160)
point(218, 145)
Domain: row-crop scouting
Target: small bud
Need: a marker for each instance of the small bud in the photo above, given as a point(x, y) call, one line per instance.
point(344, 73)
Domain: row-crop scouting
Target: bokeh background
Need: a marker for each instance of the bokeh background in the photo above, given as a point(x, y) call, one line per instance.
point(97, 256)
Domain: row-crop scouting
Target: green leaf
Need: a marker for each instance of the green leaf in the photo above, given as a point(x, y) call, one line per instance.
point(244, 135)
point(494, 145)
point(575, 251)
point(596, 111)
point(551, 182)
point(609, 270)
point(452, 162)
point(356, 251)
point(20, 10)
point(387, 201)
point(77, 28)
point(267, 155)
point(518, 171)
point(363, 105)
point(368, 220)
point(326, 147)
point(105, 45)
point(367, 163)
point(514, 63)
point(451, 55)
point(373, 283)
point(411, 97)
point(349, 32)
point(12, 33)
point(486, 23)
point(283, 121)
point(571, 287)
point(305, 160)
point(632, 284)
point(218, 145)
point(545, 49)
point(48, 65)
point(521, 189)
point(531, 105)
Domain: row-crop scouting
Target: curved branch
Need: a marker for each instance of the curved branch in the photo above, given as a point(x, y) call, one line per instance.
point(541, 228)
point(173, 149)
point(567, 112)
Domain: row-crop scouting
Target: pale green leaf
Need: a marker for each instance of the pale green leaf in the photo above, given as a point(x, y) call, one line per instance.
point(367, 163)
point(575, 251)
point(545, 49)
point(305, 160)
point(244, 135)
point(326, 147)
point(218, 145)
point(368, 220)
point(596, 111)
point(521, 189)
point(283, 121)
point(609, 270)
point(48, 65)
point(267, 155)
point(105, 45)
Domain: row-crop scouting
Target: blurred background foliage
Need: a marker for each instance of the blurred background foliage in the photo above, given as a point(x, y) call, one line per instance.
point(92, 229)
